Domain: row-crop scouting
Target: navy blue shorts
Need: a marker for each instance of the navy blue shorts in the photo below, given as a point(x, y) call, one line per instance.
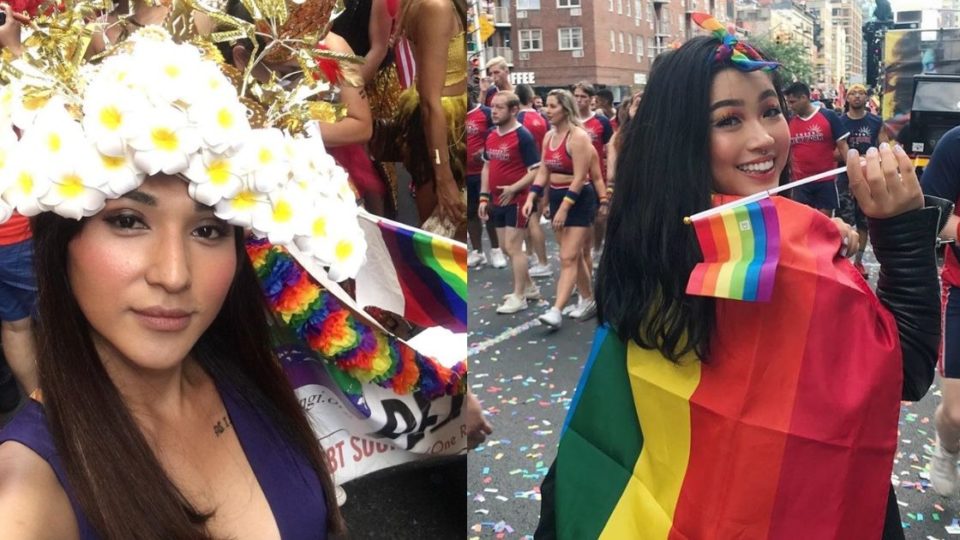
point(18, 288)
point(507, 216)
point(819, 195)
point(473, 195)
point(582, 213)
point(950, 352)
point(850, 210)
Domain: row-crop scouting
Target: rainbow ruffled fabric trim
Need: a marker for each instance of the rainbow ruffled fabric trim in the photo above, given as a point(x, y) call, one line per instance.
point(363, 351)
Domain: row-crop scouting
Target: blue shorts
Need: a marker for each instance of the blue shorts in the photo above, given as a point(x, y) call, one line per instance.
point(473, 196)
point(950, 351)
point(582, 213)
point(819, 195)
point(18, 288)
point(507, 216)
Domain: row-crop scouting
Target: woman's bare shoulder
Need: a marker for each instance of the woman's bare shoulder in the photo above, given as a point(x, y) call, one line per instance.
point(33, 504)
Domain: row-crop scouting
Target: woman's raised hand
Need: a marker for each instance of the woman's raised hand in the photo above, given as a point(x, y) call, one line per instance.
point(885, 183)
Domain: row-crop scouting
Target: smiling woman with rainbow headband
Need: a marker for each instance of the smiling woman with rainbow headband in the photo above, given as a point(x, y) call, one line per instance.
point(713, 417)
point(162, 410)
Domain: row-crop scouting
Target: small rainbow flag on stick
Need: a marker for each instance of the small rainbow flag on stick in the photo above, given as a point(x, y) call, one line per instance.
point(741, 249)
point(740, 241)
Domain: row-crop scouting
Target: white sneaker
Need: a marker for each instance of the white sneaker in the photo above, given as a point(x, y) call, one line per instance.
point(476, 258)
point(541, 270)
point(570, 308)
point(585, 310)
point(512, 304)
point(552, 318)
point(943, 471)
point(533, 260)
point(497, 258)
point(531, 292)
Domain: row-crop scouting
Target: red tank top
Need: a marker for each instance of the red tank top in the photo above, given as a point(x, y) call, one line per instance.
point(558, 159)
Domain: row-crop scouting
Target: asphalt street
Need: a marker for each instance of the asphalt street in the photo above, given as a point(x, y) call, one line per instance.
point(525, 377)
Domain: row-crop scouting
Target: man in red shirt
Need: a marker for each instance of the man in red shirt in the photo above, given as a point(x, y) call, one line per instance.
point(816, 135)
point(537, 125)
point(510, 164)
point(477, 124)
point(600, 131)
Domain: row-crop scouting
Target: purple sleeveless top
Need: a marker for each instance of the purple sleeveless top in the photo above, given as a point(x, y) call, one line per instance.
point(290, 485)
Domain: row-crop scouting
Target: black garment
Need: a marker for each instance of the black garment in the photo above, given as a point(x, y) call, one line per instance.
point(353, 25)
point(909, 288)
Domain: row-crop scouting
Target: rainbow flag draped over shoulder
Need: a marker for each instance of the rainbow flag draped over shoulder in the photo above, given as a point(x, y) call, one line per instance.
point(413, 273)
point(741, 248)
point(788, 429)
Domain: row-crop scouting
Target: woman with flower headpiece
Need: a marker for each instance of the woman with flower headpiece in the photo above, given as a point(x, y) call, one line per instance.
point(162, 410)
point(723, 397)
point(433, 112)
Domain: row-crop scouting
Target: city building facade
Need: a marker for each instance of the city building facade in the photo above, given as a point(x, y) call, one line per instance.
point(611, 43)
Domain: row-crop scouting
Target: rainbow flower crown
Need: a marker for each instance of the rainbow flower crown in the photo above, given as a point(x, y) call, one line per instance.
point(155, 106)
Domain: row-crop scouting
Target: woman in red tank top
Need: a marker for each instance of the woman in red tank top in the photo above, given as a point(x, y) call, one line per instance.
point(567, 157)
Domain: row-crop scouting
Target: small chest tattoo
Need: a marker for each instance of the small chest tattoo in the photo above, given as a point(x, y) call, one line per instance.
point(222, 425)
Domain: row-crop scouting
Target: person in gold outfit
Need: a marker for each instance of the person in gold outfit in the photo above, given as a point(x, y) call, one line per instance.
point(433, 111)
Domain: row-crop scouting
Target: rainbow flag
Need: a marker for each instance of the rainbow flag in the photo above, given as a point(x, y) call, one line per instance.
point(741, 248)
point(413, 273)
point(787, 430)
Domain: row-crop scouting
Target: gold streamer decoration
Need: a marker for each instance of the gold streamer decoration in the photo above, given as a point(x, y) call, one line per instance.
point(59, 47)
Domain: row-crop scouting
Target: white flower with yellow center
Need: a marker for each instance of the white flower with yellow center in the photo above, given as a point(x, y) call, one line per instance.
point(222, 123)
point(168, 72)
point(268, 162)
point(286, 216)
point(120, 175)
point(24, 182)
point(7, 95)
point(76, 189)
point(54, 137)
point(27, 106)
point(108, 115)
point(348, 253)
point(214, 84)
point(240, 209)
point(116, 71)
point(8, 144)
point(317, 236)
point(214, 177)
point(163, 139)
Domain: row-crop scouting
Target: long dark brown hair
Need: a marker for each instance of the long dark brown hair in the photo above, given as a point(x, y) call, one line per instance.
point(118, 481)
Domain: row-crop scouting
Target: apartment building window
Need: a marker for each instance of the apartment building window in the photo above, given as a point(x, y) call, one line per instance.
point(570, 38)
point(531, 39)
point(650, 13)
point(619, 7)
point(629, 2)
point(610, 6)
point(621, 42)
point(651, 48)
point(629, 44)
point(528, 4)
point(568, 3)
point(639, 49)
point(638, 9)
point(613, 41)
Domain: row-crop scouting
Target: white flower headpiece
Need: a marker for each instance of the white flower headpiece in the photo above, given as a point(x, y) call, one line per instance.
point(159, 106)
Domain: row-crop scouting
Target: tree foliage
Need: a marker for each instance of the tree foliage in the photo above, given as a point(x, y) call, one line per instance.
point(796, 59)
point(883, 11)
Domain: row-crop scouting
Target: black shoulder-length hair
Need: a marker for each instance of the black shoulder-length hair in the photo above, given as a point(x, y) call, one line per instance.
point(119, 483)
point(663, 174)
